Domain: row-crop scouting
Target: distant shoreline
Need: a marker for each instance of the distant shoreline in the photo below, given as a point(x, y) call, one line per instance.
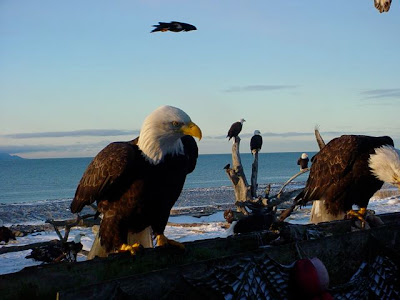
point(6, 156)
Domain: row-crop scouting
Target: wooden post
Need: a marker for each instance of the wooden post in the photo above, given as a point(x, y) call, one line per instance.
point(254, 174)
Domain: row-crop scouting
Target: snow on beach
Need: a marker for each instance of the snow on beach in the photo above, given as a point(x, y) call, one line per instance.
point(182, 228)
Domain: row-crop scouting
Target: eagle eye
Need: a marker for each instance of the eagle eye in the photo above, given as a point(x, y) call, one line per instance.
point(176, 124)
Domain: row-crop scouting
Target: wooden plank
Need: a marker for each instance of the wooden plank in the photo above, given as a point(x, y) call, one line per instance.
point(44, 281)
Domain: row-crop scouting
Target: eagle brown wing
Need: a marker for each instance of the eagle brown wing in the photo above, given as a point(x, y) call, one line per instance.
point(108, 175)
point(340, 173)
point(330, 168)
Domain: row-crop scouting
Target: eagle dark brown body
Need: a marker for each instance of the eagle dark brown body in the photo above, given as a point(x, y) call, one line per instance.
point(340, 173)
point(131, 193)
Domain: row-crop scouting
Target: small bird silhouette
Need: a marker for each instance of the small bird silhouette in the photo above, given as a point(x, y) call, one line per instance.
point(173, 26)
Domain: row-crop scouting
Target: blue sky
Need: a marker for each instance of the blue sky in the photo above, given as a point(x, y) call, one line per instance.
point(77, 75)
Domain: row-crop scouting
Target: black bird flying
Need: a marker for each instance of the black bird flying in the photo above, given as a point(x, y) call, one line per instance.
point(173, 26)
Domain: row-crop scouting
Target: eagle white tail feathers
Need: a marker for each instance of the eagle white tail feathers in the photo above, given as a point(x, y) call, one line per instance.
point(319, 213)
point(144, 238)
point(385, 164)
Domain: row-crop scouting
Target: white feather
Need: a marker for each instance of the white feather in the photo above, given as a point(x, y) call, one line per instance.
point(158, 137)
point(230, 231)
point(385, 164)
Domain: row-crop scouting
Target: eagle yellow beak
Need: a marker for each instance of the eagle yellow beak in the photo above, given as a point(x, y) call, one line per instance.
point(192, 129)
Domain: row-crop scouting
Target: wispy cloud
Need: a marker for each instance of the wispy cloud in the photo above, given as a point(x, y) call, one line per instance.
point(381, 94)
point(76, 133)
point(258, 88)
point(280, 134)
point(77, 147)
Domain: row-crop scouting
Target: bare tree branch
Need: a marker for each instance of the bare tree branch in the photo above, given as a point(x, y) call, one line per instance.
point(319, 138)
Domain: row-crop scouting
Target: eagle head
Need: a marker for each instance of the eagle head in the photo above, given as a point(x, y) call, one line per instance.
point(385, 165)
point(161, 133)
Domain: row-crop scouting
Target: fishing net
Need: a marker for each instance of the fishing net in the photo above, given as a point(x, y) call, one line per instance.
point(260, 277)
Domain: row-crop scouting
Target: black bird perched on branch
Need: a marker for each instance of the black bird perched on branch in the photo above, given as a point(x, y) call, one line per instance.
point(256, 142)
point(173, 26)
point(235, 129)
point(349, 170)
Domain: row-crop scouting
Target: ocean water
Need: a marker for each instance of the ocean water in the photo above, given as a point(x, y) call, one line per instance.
point(32, 190)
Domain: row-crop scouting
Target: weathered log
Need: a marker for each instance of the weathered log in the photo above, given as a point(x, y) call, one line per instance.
point(318, 137)
point(261, 203)
point(291, 179)
point(139, 277)
point(68, 225)
point(23, 247)
point(254, 174)
point(237, 176)
point(286, 213)
point(245, 195)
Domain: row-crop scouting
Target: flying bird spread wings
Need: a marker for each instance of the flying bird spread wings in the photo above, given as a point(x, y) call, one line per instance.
point(173, 26)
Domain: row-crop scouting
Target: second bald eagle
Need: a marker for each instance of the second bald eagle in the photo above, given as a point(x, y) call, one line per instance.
point(235, 129)
point(256, 142)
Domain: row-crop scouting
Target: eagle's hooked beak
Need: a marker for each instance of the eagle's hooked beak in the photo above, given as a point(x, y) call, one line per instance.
point(192, 129)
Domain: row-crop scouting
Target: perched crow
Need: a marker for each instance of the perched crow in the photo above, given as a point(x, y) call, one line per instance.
point(173, 26)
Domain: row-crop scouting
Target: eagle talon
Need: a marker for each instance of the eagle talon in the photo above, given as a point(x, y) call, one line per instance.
point(133, 249)
point(360, 214)
point(163, 241)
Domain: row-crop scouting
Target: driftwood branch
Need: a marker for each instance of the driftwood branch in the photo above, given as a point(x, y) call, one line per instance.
point(245, 195)
point(24, 247)
point(238, 178)
point(321, 144)
point(254, 174)
point(261, 203)
point(68, 224)
point(318, 137)
point(292, 178)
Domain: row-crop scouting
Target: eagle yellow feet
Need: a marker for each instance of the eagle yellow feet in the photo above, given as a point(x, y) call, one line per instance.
point(131, 248)
point(360, 214)
point(162, 241)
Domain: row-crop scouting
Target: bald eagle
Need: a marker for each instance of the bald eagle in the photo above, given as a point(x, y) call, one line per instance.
point(349, 170)
point(173, 26)
point(235, 129)
point(256, 142)
point(136, 183)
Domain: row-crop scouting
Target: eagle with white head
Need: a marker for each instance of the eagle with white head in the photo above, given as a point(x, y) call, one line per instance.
point(136, 183)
